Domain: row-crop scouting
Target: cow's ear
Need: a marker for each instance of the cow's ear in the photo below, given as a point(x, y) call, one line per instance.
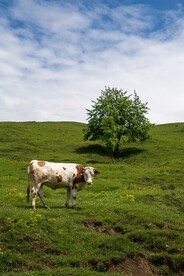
point(96, 172)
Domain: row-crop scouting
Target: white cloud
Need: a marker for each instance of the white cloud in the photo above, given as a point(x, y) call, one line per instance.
point(56, 58)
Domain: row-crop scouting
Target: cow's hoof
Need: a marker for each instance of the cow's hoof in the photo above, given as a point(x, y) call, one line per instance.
point(74, 207)
point(47, 207)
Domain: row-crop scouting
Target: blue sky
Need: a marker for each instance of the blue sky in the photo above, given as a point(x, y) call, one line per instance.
point(56, 56)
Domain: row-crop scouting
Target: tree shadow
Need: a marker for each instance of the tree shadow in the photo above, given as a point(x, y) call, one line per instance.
point(99, 149)
point(127, 152)
point(95, 148)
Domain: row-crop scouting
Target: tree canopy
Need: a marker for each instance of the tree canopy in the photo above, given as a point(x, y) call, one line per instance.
point(117, 118)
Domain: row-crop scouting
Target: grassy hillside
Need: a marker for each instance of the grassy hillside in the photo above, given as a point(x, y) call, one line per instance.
point(130, 222)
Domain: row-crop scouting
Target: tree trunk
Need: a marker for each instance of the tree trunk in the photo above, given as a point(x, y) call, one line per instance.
point(116, 152)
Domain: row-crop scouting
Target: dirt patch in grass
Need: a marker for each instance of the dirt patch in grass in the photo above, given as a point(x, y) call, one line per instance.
point(137, 266)
point(99, 227)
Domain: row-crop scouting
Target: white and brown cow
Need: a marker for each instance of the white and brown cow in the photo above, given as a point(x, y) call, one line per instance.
point(74, 177)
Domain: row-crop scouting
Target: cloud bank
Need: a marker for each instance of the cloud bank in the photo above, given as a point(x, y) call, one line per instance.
point(57, 56)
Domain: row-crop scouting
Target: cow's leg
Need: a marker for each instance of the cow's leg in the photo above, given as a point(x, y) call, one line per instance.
point(74, 192)
point(68, 196)
point(41, 195)
point(35, 192)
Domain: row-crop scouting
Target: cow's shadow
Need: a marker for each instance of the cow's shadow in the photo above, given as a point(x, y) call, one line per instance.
point(70, 208)
point(50, 207)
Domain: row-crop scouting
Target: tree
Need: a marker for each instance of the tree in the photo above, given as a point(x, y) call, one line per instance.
point(117, 118)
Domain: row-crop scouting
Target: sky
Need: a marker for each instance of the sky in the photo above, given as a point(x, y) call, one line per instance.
point(56, 56)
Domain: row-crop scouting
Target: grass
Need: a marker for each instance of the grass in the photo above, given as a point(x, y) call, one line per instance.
point(135, 207)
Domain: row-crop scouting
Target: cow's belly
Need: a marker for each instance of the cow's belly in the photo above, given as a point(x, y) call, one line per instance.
point(56, 185)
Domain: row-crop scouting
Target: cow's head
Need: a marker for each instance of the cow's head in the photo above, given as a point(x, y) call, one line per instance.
point(89, 172)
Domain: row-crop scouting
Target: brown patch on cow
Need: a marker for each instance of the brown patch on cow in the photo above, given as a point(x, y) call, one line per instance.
point(59, 178)
point(64, 168)
point(41, 163)
point(79, 177)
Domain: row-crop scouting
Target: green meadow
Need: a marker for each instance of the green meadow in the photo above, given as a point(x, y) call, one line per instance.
point(130, 222)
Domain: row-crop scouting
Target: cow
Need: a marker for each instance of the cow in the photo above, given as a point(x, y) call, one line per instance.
point(71, 176)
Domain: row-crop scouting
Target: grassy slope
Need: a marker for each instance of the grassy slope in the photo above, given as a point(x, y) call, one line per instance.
point(136, 205)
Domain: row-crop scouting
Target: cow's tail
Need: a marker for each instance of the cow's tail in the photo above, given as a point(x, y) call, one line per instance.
point(28, 184)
